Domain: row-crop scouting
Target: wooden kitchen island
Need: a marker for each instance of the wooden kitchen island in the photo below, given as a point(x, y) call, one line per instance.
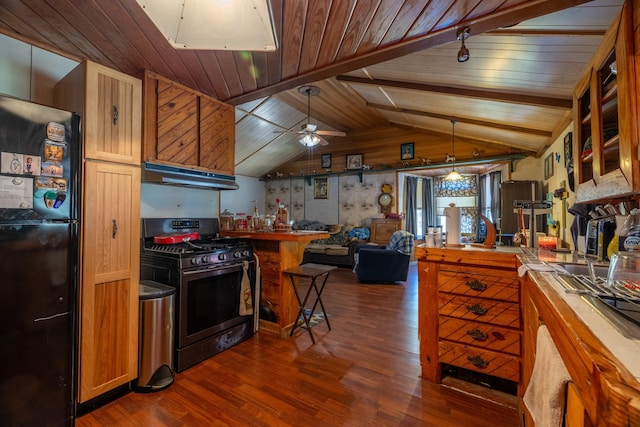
point(277, 252)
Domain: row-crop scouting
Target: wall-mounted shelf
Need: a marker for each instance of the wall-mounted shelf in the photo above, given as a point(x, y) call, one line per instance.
point(512, 158)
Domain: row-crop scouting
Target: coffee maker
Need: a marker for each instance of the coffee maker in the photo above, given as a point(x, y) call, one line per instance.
point(600, 232)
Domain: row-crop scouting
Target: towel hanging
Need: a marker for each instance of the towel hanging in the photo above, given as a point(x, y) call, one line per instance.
point(246, 303)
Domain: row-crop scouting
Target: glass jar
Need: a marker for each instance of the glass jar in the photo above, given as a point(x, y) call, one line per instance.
point(226, 220)
point(241, 221)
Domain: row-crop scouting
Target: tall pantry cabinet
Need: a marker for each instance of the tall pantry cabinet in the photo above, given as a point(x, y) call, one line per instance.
point(110, 105)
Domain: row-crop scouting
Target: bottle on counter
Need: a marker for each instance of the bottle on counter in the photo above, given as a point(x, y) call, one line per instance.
point(629, 239)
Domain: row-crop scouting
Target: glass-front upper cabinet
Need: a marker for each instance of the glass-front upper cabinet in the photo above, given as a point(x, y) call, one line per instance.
point(605, 144)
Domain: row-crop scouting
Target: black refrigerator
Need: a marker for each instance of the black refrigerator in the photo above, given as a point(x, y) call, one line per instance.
point(39, 168)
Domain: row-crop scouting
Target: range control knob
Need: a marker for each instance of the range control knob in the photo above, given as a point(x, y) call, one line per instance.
point(205, 259)
point(246, 253)
point(222, 257)
point(195, 261)
point(237, 254)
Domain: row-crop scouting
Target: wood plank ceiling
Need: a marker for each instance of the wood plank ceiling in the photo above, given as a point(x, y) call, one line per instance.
point(378, 63)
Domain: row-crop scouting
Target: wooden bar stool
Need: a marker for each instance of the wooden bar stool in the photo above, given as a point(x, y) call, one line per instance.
point(313, 272)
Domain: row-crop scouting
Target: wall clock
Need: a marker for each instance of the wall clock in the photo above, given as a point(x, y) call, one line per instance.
point(385, 200)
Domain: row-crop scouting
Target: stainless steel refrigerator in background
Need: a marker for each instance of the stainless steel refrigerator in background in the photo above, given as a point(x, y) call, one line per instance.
point(39, 168)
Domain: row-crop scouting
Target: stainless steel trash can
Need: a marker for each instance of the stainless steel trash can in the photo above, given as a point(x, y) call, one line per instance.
point(155, 353)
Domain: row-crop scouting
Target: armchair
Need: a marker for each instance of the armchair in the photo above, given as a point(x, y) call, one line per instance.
point(385, 264)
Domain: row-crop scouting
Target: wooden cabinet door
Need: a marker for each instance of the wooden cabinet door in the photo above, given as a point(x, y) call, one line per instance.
point(217, 136)
point(110, 276)
point(113, 119)
point(605, 147)
point(177, 125)
point(382, 229)
point(184, 127)
point(110, 105)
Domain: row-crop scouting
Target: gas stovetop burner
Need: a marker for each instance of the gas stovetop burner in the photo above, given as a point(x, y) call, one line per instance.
point(198, 246)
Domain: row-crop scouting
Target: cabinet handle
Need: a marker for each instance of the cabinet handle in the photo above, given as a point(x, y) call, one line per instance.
point(115, 114)
point(477, 334)
point(114, 229)
point(477, 309)
point(476, 285)
point(478, 361)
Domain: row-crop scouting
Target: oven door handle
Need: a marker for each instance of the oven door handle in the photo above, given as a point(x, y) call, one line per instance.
point(215, 268)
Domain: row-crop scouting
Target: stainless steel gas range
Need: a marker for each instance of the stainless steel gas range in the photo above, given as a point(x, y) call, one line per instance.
point(214, 280)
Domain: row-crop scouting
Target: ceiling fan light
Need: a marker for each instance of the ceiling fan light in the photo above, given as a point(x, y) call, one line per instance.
point(309, 140)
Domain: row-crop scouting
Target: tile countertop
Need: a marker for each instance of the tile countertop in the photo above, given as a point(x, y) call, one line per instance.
point(540, 265)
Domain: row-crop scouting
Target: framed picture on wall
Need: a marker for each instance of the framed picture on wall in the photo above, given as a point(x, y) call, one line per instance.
point(568, 149)
point(354, 161)
point(406, 151)
point(325, 161)
point(320, 188)
point(548, 166)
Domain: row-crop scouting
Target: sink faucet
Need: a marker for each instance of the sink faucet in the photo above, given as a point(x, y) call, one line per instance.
point(592, 271)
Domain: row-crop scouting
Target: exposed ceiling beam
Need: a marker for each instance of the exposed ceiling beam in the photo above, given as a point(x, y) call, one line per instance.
point(462, 120)
point(509, 17)
point(543, 101)
point(544, 33)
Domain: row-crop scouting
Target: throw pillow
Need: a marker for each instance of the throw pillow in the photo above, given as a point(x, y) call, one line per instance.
point(360, 233)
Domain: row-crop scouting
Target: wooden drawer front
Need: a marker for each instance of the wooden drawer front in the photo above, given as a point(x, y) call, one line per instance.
point(485, 361)
point(491, 337)
point(481, 310)
point(495, 284)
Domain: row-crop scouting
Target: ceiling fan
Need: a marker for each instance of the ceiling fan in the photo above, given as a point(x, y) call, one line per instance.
point(311, 135)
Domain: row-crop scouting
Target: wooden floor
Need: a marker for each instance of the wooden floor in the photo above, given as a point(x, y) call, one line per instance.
point(365, 371)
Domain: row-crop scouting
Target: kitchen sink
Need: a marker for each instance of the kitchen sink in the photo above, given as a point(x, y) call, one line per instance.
point(600, 270)
point(619, 304)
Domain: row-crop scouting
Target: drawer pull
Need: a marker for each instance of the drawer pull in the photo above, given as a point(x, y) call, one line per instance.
point(476, 285)
point(478, 361)
point(115, 115)
point(498, 335)
point(477, 309)
point(478, 335)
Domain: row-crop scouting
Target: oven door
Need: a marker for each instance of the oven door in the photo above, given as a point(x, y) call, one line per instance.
point(210, 302)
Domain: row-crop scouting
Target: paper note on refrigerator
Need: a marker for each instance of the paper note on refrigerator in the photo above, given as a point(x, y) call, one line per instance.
point(16, 192)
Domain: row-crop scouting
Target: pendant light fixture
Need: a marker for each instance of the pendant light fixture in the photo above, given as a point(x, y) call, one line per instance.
point(453, 175)
point(463, 53)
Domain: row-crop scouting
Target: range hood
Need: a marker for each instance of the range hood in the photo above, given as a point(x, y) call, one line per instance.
point(155, 173)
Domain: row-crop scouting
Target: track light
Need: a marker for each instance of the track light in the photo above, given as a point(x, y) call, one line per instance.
point(463, 53)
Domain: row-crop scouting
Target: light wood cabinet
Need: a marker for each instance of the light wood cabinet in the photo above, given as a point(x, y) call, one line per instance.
point(605, 142)
point(186, 128)
point(110, 277)
point(469, 312)
point(383, 228)
point(110, 105)
point(601, 392)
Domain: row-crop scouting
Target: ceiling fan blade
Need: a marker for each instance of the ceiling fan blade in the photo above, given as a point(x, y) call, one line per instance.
point(289, 131)
point(330, 133)
point(322, 140)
